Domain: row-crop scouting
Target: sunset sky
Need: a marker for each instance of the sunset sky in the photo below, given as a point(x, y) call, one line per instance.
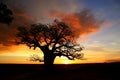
point(101, 41)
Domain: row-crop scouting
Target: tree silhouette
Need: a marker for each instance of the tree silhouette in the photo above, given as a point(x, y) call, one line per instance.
point(5, 14)
point(55, 39)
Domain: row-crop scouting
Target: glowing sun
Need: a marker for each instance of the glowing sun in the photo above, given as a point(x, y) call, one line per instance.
point(67, 62)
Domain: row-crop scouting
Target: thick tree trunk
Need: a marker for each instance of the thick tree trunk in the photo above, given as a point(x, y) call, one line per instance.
point(48, 62)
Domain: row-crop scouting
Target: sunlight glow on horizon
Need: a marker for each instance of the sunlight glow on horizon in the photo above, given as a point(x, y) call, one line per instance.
point(22, 55)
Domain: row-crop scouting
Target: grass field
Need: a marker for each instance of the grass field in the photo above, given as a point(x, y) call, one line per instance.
point(98, 71)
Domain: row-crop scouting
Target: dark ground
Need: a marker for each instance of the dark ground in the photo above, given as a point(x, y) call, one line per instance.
point(100, 71)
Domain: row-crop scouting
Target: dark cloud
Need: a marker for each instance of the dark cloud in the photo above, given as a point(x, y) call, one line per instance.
point(40, 9)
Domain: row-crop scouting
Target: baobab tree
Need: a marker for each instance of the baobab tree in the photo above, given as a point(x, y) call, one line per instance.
point(53, 40)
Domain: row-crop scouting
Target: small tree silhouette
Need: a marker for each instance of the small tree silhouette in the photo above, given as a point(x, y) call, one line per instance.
point(6, 15)
point(55, 39)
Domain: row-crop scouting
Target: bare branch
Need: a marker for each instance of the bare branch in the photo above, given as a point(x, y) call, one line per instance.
point(35, 58)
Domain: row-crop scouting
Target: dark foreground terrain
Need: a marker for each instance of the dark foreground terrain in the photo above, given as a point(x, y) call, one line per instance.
point(101, 71)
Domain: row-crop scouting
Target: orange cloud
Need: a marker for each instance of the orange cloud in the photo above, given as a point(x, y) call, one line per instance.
point(82, 23)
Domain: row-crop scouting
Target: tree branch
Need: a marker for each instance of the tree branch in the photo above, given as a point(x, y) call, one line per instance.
point(35, 58)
